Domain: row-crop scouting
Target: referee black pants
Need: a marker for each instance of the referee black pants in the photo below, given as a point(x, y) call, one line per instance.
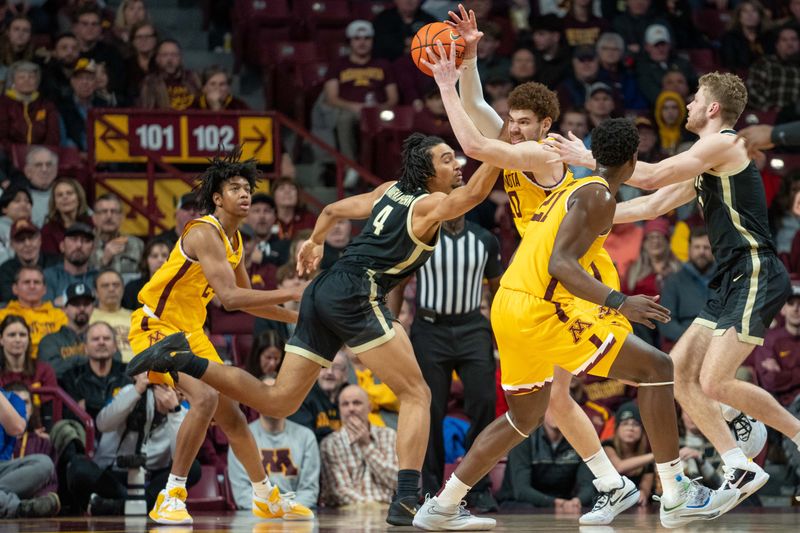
point(462, 343)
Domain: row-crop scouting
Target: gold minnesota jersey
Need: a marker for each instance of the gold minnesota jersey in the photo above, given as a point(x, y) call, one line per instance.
point(525, 195)
point(178, 292)
point(528, 271)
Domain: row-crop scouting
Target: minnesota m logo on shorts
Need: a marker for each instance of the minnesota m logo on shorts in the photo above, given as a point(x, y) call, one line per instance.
point(577, 328)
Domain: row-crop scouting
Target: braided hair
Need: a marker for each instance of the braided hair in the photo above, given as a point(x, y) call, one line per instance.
point(417, 162)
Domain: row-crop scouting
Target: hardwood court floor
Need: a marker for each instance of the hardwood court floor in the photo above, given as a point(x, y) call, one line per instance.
point(372, 519)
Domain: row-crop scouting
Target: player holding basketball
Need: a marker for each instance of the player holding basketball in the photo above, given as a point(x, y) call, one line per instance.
point(533, 109)
point(750, 285)
point(535, 312)
point(346, 304)
point(207, 260)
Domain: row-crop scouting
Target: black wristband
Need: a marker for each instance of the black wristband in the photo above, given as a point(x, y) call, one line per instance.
point(615, 299)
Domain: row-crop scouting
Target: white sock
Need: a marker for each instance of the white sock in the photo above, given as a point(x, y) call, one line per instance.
point(453, 492)
point(735, 458)
point(261, 489)
point(796, 439)
point(669, 473)
point(603, 469)
point(174, 482)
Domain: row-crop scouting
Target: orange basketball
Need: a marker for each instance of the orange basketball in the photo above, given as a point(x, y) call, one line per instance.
point(427, 37)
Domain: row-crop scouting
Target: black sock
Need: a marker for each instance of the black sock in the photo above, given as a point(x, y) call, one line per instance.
point(196, 367)
point(407, 483)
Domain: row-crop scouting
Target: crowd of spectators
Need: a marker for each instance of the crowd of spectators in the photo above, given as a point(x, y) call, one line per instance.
point(69, 275)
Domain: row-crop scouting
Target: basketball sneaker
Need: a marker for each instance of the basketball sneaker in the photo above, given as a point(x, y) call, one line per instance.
point(750, 434)
point(747, 480)
point(170, 508)
point(610, 502)
point(433, 516)
point(697, 503)
point(279, 505)
point(169, 355)
point(402, 510)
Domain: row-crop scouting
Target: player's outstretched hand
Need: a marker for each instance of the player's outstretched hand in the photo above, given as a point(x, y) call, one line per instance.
point(569, 150)
point(308, 257)
point(466, 24)
point(644, 309)
point(442, 64)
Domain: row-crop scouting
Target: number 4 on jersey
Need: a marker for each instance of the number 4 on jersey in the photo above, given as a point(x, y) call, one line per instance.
point(377, 224)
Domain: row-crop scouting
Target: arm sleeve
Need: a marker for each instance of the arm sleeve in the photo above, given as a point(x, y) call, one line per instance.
point(494, 266)
point(335, 474)
point(381, 457)
point(308, 481)
point(114, 414)
point(241, 487)
point(485, 118)
point(519, 464)
point(786, 134)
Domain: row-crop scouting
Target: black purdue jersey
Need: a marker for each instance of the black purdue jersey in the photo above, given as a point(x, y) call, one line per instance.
point(387, 249)
point(735, 210)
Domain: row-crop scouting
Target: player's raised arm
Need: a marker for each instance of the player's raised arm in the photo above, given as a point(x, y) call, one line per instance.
point(482, 114)
point(523, 156)
point(654, 205)
point(439, 207)
point(203, 242)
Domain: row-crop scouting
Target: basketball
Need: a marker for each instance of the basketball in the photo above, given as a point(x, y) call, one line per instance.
point(427, 37)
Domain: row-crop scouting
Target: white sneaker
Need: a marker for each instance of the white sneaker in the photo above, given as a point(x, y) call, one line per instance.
point(750, 434)
point(697, 503)
point(433, 516)
point(746, 480)
point(610, 502)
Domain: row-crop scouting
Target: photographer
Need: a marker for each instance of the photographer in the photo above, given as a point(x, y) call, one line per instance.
point(139, 427)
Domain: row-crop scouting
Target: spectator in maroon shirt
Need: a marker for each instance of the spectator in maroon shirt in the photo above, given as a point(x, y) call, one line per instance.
point(169, 85)
point(777, 362)
point(143, 40)
point(216, 91)
point(25, 117)
point(581, 26)
point(357, 81)
point(292, 215)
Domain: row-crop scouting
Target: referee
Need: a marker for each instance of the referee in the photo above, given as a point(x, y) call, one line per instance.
point(450, 333)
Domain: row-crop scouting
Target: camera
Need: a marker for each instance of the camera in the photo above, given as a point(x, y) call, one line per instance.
point(135, 460)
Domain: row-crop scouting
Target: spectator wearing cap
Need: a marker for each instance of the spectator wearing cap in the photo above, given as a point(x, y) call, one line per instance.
point(572, 92)
point(41, 169)
point(77, 248)
point(670, 113)
point(599, 104)
point(629, 450)
point(67, 206)
point(15, 204)
point(552, 55)
point(65, 348)
point(634, 21)
point(113, 249)
point(58, 66)
point(26, 241)
point(169, 85)
point(87, 27)
point(545, 471)
point(185, 210)
point(615, 73)
point(647, 274)
point(777, 362)
point(108, 286)
point(74, 108)
point(774, 80)
point(396, 25)
point(154, 255)
point(684, 292)
point(40, 315)
point(25, 116)
point(215, 93)
point(353, 82)
point(581, 26)
point(657, 60)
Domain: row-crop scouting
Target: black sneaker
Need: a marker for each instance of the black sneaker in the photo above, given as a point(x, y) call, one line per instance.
point(482, 502)
point(99, 506)
point(402, 511)
point(169, 355)
point(41, 507)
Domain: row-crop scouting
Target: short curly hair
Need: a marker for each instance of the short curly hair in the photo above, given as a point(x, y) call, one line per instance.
point(729, 91)
point(535, 97)
point(615, 142)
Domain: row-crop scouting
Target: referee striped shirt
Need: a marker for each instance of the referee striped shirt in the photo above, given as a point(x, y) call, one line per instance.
point(450, 282)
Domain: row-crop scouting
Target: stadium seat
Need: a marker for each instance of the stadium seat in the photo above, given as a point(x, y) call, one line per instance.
point(382, 134)
point(703, 60)
point(368, 9)
point(711, 22)
point(250, 18)
point(287, 53)
point(207, 494)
